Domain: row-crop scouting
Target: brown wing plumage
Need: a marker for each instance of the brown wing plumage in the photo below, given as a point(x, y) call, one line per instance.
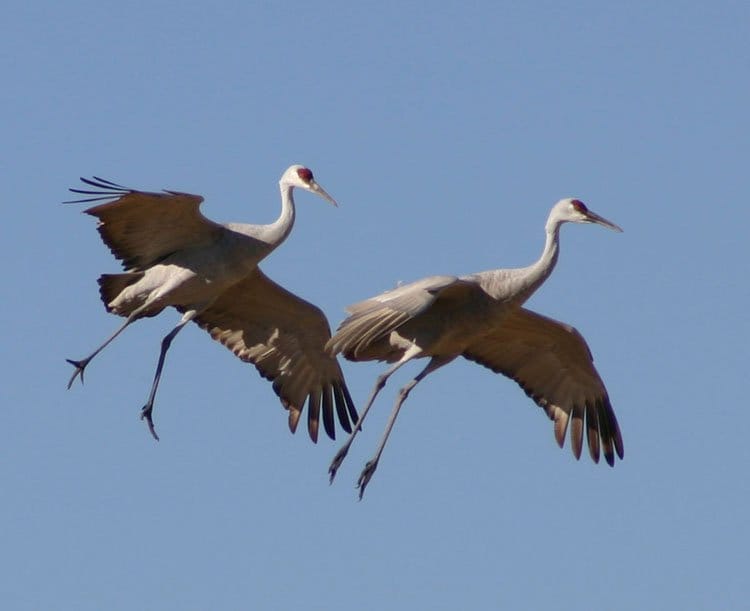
point(283, 336)
point(143, 228)
point(553, 364)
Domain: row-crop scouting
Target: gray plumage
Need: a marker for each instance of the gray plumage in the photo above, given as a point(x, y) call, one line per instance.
point(175, 256)
point(480, 317)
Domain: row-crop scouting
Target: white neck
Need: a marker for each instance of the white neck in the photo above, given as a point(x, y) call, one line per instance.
point(519, 284)
point(540, 271)
point(278, 231)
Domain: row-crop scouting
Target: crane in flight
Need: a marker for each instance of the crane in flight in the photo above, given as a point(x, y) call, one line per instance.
point(175, 256)
point(480, 317)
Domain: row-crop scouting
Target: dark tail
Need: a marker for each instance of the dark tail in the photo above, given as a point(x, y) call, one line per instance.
point(111, 285)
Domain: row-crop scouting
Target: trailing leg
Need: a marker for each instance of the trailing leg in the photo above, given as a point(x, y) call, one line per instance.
point(146, 411)
point(81, 365)
point(369, 470)
point(379, 384)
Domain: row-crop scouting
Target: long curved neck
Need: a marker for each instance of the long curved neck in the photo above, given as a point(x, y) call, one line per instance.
point(538, 272)
point(518, 284)
point(282, 226)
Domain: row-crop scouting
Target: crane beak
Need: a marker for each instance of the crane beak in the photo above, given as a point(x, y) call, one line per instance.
point(592, 217)
point(314, 187)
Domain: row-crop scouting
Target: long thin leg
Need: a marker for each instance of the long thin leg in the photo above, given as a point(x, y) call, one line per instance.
point(165, 343)
point(81, 365)
point(379, 384)
point(367, 472)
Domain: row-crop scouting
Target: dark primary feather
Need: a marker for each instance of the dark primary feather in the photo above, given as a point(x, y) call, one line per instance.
point(283, 336)
point(106, 190)
point(553, 364)
point(141, 228)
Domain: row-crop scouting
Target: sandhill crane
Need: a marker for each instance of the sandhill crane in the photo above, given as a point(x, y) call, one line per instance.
point(480, 317)
point(174, 256)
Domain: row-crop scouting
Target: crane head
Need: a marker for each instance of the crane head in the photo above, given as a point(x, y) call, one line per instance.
point(571, 210)
point(302, 177)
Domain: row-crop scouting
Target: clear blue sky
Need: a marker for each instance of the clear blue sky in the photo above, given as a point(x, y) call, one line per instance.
point(446, 131)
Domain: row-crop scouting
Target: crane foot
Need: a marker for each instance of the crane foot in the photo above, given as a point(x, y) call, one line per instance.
point(365, 476)
point(337, 460)
point(80, 366)
point(146, 415)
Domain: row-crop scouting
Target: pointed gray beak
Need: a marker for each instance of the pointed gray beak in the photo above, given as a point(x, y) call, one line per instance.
point(318, 190)
point(593, 217)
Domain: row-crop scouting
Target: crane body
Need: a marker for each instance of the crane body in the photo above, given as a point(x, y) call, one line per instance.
point(185, 279)
point(174, 256)
point(480, 316)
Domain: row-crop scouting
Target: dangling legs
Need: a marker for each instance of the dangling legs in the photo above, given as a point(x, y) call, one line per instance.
point(379, 384)
point(165, 343)
point(81, 365)
point(367, 472)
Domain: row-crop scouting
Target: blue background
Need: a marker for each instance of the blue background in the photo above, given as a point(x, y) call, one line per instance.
point(446, 131)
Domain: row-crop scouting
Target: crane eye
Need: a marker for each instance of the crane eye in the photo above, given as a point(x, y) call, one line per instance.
point(579, 205)
point(305, 174)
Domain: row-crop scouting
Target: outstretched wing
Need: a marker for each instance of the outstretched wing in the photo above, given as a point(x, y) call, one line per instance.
point(374, 319)
point(553, 364)
point(284, 337)
point(143, 228)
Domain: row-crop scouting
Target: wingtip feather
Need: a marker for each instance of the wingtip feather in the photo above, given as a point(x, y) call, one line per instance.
point(576, 432)
point(561, 425)
point(294, 415)
point(592, 429)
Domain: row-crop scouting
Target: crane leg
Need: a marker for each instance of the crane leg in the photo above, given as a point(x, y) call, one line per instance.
point(369, 470)
point(379, 384)
point(81, 365)
point(146, 411)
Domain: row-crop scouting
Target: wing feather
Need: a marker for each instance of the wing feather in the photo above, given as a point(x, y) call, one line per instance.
point(592, 429)
point(313, 415)
point(142, 228)
point(576, 430)
point(374, 319)
point(284, 337)
point(553, 364)
point(328, 412)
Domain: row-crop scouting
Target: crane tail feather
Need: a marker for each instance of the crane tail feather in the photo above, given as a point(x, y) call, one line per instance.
point(110, 287)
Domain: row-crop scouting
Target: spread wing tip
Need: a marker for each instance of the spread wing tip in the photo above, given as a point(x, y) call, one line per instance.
point(336, 397)
point(602, 430)
point(105, 189)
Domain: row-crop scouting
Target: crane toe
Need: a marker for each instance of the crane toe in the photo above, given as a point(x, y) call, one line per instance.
point(337, 460)
point(80, 366)
point(366, 475)
point(146, 415)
